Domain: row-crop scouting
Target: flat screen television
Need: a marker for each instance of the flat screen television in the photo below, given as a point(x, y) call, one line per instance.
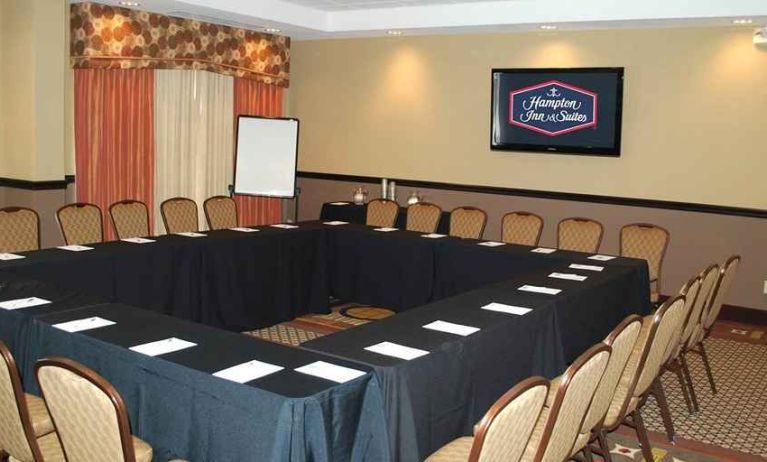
point(558, 110)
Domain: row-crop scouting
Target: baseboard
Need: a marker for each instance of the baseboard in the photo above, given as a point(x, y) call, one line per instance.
point(743, 314)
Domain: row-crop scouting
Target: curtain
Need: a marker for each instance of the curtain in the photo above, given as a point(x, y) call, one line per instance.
point(257, 99)
point(193, 131)
point(114, 137)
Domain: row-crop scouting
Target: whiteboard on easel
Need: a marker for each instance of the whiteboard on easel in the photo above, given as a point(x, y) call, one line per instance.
point(266, 154)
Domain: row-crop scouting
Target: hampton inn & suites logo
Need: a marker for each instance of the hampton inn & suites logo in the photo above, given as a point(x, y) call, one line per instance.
point(553, 108)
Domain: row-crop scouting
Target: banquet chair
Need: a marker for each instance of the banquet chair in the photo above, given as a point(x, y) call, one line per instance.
point(220, 212)
point(503, 433)
point(523, 228)
point(130, 219)
point(423, 217)
point(179, 215)
point(80, 223)
point(88, 413)
point(467, 222)
point(579, 234)
point(648, 242)
point(382, 213)
point(19, 229)
point(558, 426)
point(26, 428)
point(641, 375)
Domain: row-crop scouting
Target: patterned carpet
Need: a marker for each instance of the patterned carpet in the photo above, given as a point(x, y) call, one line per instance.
point(625, 449)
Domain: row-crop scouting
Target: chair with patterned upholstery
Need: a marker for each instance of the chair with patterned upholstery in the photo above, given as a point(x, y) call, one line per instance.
point(648, 242)
point(26, 428)
point(19, 229)
point(423, 217)
point(220, 212)
point(382, 213)
point(467, 222)
point(560, 424)
point(503, 433)
point(80, 223)
point(130, 219)
point(523, 228)
point(579, 235)
point(179, 215)
point(89, 414)
point(641, 376)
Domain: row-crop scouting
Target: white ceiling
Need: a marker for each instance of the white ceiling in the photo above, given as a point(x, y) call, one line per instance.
point(317, 19)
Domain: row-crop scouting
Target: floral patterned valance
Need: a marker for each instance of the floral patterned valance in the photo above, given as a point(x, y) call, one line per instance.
point(120, 38)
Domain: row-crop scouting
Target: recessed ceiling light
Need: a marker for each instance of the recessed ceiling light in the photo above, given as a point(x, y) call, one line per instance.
point(394, 32)
point(130, 3)
point(742, 22)
point(271, 30)
point(548, 27)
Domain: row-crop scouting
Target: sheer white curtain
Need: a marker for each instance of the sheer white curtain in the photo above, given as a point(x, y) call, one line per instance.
point(193, 137)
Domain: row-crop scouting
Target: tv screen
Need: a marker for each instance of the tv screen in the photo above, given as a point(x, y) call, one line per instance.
point(558, 110)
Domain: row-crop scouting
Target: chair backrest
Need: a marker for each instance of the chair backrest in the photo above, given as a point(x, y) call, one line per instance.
point(220, 212)
point(728, 271)
point(467, 222)
point(80, 223)
point(690, 291)
point(19, 229)
point(575, 393)
point(579, 234)
point(709, 277)
point(423, 217)
point(179, 215)
point(130, 219)
point(504, 431)
point(89, 414)
point(17, 437)
point(382, 213)
point(522, 228)
point(648, 242)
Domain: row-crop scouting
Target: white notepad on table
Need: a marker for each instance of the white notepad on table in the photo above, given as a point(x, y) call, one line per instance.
point(10, 256)
point(137, 240)
point(601, 257)
point(397, 351)
point(75, 248)
point(543, 250)
point(332, 372)
point(568, 276)
point(20, 303)
point(492, 243)
point(79, 325)
point(191, 234)
point(385, 230)
point(433, 235)
point(245, 372)
point(284, 226)
point(508, 309)
point(336, 223)
point(451, 328)
point(540, 290)
point(161, 347)
point(244, 230)
point(586, 267)
point(339, 203)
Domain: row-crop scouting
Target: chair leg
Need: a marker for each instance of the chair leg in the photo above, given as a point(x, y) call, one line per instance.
point(677, 369)
point(686, 371)
point(665, 412)
point(644, 441)
point(602, 439)
point(710, 375)
point(587, 453)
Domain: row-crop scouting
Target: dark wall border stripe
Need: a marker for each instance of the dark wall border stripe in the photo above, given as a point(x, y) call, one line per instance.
point(743, 314)
point(36, 185)
point(627, 201)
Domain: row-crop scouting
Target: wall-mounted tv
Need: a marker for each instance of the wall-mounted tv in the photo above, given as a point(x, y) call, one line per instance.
point(558, 110)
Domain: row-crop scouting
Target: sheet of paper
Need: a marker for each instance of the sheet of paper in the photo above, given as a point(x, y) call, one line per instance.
point(451, 328)
point(332, 372)
point(601, 257)
point(161, 347)
point(540, 290)
point(245, 372)
point(492, 243)
point(284, 226)
point(137, 240)
point(433, 236)
point(191, 234)
point(10, 256)
point(336, 223)
point(509, 309)
point(20, 303)
point(244, 230)
point(75, 248)
point(79, 325)
point(543, 250)
point(586, 267)
point(396, 350)
point(339, 203)
point(568, 276)
point(385, 230)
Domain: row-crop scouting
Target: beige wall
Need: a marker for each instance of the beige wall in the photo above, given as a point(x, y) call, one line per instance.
point(418, 108)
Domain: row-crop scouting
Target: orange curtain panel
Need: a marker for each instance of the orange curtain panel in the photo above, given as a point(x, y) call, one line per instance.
point(114, 138)
point(257, 99)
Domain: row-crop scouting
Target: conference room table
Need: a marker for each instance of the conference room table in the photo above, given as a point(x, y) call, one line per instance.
point(353, 213)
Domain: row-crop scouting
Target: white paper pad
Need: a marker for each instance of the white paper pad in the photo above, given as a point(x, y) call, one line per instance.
point(20, 303)
point(327, 371)
point(75, 248)
point(191, 234)
point(396, 350)
point(137, 240)
point(586, 267)
point(336, 223)
point(284, 226)
point(385, 230)
point(339, 203)
point(244, 230)
point(601, 257)
point(79, 325)
point(543, 250)
point(10, 256)
point(161, 347)
point(540, 290)
point(568, 276)
point(509, 309)
point(245, 372)
point(433, 236)
point(492, 244)
point(451, 328)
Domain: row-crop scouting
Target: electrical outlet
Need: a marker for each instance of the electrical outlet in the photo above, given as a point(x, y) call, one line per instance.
point(765, 286)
